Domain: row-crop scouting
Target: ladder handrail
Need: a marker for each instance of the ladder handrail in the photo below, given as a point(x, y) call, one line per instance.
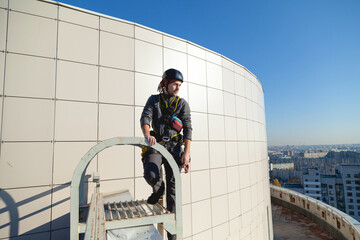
point(85, 161)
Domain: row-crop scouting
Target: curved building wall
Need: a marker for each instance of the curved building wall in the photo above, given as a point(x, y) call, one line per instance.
point(70, 78)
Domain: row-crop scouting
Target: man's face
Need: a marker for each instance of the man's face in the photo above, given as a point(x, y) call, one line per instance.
point(174, 87)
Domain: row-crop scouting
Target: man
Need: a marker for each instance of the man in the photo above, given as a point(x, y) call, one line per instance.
point(168, 115)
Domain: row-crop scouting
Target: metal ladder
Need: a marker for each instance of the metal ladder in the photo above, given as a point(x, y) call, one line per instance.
point(126, 215)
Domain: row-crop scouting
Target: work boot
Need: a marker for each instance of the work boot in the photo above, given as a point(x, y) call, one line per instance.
point(154, 197)
point(171, 236)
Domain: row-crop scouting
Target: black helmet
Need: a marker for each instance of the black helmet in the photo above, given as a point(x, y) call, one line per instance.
point(171, 74)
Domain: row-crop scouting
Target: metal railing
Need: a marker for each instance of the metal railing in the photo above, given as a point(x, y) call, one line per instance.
point(75, 227)
point(343, 223)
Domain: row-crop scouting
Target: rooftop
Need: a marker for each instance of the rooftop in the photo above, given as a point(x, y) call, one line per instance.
point(292, 225)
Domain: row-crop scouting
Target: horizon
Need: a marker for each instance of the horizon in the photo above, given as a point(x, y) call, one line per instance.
point(305, 54)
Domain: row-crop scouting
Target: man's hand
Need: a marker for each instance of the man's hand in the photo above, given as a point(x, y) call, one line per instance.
point(185, 162)
point(151, 140)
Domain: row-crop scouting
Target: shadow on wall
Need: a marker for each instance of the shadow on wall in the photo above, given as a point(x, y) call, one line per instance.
point(14, 219)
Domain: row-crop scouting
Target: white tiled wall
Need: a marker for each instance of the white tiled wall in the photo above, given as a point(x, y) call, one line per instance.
point(70, 78)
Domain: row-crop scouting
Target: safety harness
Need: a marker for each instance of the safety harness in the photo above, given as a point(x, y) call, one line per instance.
point(171, 137)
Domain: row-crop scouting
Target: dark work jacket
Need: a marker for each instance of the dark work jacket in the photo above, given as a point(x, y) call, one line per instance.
point(153, 115)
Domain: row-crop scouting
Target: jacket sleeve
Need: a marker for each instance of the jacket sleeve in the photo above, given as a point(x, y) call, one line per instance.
point(186, 119)
point(147, 113)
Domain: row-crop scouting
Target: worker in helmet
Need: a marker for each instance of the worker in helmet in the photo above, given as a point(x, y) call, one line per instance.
point(164, 117)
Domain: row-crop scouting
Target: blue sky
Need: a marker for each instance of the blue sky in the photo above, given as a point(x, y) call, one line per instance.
point(306, 54)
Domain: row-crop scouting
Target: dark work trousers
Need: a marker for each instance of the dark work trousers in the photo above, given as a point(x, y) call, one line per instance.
point(152, 162)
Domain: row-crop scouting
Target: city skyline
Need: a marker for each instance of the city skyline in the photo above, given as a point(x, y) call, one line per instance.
point(305, 54)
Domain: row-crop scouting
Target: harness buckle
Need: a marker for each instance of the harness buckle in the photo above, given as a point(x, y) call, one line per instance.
point(166, 138)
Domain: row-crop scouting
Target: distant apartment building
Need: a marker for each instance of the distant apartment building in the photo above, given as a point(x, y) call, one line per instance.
point(311, 183)
point(289, 165)
point(341, 190)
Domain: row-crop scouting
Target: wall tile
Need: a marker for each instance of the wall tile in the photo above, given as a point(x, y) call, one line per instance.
point(148, 58)
point(67, 156)
point(77, 81)
point(60, 234)
point(239, 85)
point(228, 64)
point(3, 20)
point(78, 17)
point(119, 186)
point(213, 57)
point(196, 70)
point(233, 178)
point(229, 104)
point(197, 98)
point(148, 35)
point(245, 178)
point(176, 44)
point(32, 207)
point(242, 130)
point(232, 154)
point(40, 35)
point(199, 122)
point(177, 60)
point(245, 197)
point(60, 211)
point(252, 173)
point(145, 86)
point(243, 150)
point(254, 202)
point(234, 205)
point(206, 235)
point(115, 121)
point(139, 170)
point(216, 127)
point(248, 89)
point(116, 51)
point(78, 43)
point(219, 210)
point(217, 154)
point(250, 130)
point(239, 69)
point(18, 158)
point(230, 129)
point(187, 223)
point(234, 226)
point(36, 78)
point(1, 107)
point(199, 156)
point(118, 27)
point(228, 80)
point(221, 232)
point(254, 93)
point(112, 161)
point(214, 76)
point(75, 121)
point(195, 51)
point(215, 101)
point(27, 119)
point(4, 4)
point(201, 216)
point(2, 68)
point(142, 189)
point(183, 92)
point(138, 131)
point(251, 152)
point(200, 185)
point(116, 86)
point(240, 107)
point(34, 7)
point(185, 187)
point(218, 182)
